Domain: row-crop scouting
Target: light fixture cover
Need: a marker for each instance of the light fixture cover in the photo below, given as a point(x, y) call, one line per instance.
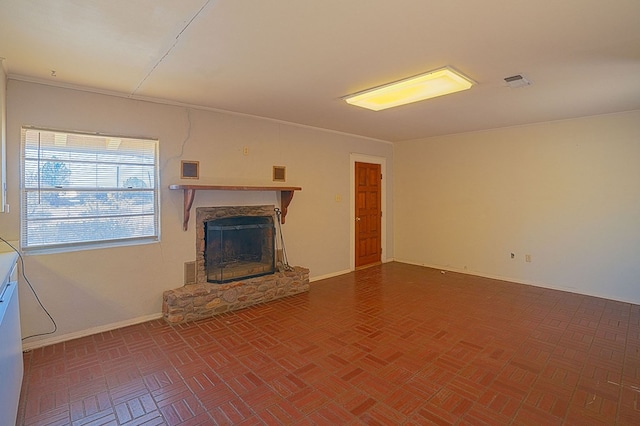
point(442, 81)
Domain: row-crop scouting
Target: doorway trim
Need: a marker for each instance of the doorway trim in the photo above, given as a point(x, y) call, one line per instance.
point(364, 158)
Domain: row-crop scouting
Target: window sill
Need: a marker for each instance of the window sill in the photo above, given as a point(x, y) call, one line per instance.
point(30, 251)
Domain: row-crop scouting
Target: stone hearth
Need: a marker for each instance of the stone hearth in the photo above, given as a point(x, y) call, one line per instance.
point(203, 299)
point(199, 301)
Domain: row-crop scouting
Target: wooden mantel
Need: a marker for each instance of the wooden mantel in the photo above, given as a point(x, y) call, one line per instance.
point(286, 195)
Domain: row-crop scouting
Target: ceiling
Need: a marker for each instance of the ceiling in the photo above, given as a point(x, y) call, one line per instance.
point(293, 60)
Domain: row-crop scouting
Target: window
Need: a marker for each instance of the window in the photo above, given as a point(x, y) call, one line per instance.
point(80, 190)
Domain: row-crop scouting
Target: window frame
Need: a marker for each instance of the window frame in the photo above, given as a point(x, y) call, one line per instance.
point(88, 243)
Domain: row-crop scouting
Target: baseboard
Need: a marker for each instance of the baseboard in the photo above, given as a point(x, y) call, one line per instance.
point(331, 275)
point(345, 271)
point(27, 346)
point(518, 281)
point(83, 333)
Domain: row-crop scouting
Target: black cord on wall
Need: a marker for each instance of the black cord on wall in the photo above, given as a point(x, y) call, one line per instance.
point(55, 326)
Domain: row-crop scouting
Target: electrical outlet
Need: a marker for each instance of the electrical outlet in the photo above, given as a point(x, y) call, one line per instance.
point(338, 198)
point(527, 258)
point(245, 150)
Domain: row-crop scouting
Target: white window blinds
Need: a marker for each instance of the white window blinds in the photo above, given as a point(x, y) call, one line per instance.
point(83, 189)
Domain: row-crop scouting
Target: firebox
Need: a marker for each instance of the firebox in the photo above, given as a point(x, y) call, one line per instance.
point(239, 247)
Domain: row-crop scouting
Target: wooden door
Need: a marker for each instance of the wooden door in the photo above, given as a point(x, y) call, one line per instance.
point(368, 247)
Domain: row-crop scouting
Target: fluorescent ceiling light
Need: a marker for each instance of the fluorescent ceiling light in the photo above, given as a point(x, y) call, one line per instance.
point(424, 86)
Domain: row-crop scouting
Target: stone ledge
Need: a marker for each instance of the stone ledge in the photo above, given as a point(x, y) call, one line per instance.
point(204, 300)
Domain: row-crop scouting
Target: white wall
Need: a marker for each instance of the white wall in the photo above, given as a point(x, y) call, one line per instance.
point(98, 289)
point(567, 193)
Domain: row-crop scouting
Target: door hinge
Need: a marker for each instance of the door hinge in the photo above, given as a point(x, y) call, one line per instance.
point(380, 176)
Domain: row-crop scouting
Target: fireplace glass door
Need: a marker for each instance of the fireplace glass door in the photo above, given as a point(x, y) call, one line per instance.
point(239, 247)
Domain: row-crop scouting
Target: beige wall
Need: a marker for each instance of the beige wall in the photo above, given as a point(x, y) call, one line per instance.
point(567, 193)
point(94, 289)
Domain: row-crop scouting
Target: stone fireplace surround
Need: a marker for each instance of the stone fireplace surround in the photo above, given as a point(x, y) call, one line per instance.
point(203, 300)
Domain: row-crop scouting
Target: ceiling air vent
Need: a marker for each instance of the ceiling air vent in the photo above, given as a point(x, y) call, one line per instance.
point(516, 81)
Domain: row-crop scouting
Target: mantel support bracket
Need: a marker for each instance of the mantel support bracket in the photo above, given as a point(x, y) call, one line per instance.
point(285, 200)
point(189, 196)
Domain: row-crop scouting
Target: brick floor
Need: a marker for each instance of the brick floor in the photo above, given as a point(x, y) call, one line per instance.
point(392, 344)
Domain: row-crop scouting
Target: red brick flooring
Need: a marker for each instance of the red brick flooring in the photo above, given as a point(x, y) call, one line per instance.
point(392, 344)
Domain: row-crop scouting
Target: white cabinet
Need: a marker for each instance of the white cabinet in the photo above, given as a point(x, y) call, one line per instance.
point(11, 366)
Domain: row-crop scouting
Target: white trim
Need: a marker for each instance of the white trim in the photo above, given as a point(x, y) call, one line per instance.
point(516, 281)
point(35, 251)
point(106, 92)
point(331, 275)
point(364, 158)
point(27, 346)
point(343, 272)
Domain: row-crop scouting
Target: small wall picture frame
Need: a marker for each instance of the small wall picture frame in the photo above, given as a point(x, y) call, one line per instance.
point(279, 173)
point(189, 169)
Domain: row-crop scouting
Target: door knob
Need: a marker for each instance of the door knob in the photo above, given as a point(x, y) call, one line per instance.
point(357, 219)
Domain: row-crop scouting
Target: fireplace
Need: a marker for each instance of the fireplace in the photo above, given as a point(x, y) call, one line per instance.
point(224, 254)
point(239, 247)
point(235, 268)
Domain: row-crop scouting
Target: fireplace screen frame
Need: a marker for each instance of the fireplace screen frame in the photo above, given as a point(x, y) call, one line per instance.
point(239, 247)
